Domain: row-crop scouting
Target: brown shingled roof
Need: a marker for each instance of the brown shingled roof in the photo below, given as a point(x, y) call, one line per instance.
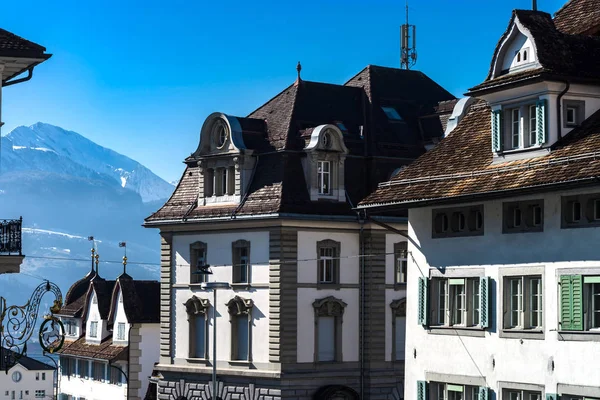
point(141, 300)
point(461, 166)
point(106, 350)
point(579, 17)
point(12, 45)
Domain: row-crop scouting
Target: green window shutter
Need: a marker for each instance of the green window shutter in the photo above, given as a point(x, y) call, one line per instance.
point(421, 390)
point(571, 303)
point(497, 130)
point(541, 117)
point(483, 393)
point(484, 301)
point(423, 301)
point(551, 396)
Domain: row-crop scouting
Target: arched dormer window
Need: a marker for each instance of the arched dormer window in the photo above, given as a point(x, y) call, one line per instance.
point(398, 308)
point(324, 165)
point(197, 311)
point(240, 313)
point(329, 313)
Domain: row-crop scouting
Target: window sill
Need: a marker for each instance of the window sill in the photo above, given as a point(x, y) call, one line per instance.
point(328, 286)
point(193, 360)
point(400, 286)
point(579, 336)
point(535, 334)
point(471, 331)
point(241, 363)
point(241, 286)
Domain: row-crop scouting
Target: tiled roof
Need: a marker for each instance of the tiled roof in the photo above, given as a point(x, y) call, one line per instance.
point(461, 168)
point(560, 55)
point(12, 45)
point(106, 350)
point(279, 185)
point(75, 298)
point(141, 300)
point(579, 17)
point(25, 361)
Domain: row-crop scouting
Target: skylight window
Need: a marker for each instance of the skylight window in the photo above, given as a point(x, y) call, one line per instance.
point(391, 113)
point(342, 127)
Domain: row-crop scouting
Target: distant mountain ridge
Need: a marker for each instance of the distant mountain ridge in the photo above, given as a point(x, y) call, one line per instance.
point(49, 148)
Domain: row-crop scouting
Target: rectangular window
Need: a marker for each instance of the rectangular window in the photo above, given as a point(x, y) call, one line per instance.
point(94, 329)
point(512, 394)
point(401, 262)
point(324, 177)
point(241, 337)
point(43, 376)
point(523, 216)
point(82, 369)
point(579, 303)
point(524, 302)
point(98, 371)
point(326, 339)
point(37, 376)
point(40, 393)
point(198, 273)
point(457, 301)
point(575, 211)
point(326, 265)
point(400, 337)
point(241, 261)
point(532, 125)
point(200, 336)
point(517, 219)
point(121, 331)
point(571, 116)
point(231, 181)
point(460, 221)
point(537, 215)
point(449, 391)
point(209, 176)
point(224, 180)
point(515, 127)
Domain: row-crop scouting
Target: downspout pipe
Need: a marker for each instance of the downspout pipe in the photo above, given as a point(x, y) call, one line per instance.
point(559, 108)
point(361, 222)
point(20, 80)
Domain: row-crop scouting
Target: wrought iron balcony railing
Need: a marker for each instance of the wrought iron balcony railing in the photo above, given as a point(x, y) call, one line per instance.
point(10, 237)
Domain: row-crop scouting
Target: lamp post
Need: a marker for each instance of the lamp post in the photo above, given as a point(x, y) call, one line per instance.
point(214, 286)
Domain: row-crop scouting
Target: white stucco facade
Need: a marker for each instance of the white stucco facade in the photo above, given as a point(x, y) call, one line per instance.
point(22, 383)
point(548, 360)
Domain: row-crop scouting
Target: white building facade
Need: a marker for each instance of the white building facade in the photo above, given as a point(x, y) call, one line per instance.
point(28, 379)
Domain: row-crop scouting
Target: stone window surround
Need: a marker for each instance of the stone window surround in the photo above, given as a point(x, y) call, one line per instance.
point(329, 307)
point(398, 308)
point(236, 264)
point(195, 249)
point(238, 306)
point(194, 307)
point(469, 213)
point(456, 379)
point(526, 207)
point(336, 263)
point(579, 106)
point(578, 390)
point(208, 166)
point(520, 271)
point(503, 385)
point(398, 248)
point(461, 272)
point(587, 209)
point(579, 336)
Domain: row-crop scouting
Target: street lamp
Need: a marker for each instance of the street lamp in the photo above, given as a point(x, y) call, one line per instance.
point(204, 269)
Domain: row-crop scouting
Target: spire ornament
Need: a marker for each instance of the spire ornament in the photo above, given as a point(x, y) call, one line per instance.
point(298, 69)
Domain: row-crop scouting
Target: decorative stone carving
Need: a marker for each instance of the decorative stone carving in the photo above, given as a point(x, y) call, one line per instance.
point(398, 307)
point(195, 305)
point(239, 306)
point(329, 307)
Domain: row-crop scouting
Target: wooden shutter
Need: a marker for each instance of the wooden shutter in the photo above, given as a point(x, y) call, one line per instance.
point(540, 109)
point(423, 301)
point(483, 393)
point(484, 302)
point(571, 303)
point(497, 130)
point(551, 396)
point(421, 390)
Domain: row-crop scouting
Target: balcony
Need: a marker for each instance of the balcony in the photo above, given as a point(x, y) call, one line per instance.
point(11, 255)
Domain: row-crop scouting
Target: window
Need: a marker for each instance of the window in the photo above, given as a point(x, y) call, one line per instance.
point(398, 329)
point(220, 133)
point(454, 222)
point(94, 329)
point(456, 301)
point(575, 208)
point(73, 366)
point(43, 376)
point(65, 366)
point(579, 303)
point(580, 211)
point(198, 252)
point(121, 331)
point(514, 394)
point(515, 126)
point(82, 368)
point(523, 302)
point(449, 391)
point(391, 114)
point(40, 393)
point(328, 317)
point(324, 177)
point(197, 310)
point(37, 376)
point(400, 262)
point(571, 118)
point(209, 176)
point(523, 216)
point(328, 253)
point(572, 397)
point(573, 113)
point(241, 261)
point(70, 327)
point(98, 370)
point(16, 376)
point(240, 311)
point(532, 125)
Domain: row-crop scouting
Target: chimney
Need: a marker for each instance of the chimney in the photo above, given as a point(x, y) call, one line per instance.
point(534, 5)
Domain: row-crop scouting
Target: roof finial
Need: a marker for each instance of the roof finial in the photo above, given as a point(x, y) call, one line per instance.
point(97, 263)
point(124, 245)
point(534, 5)
point(91, 239)
point(298, 69)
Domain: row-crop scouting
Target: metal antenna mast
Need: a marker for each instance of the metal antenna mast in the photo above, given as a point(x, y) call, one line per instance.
point(408, 44)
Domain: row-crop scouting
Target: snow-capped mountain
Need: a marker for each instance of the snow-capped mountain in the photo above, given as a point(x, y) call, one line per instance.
point(44, 147)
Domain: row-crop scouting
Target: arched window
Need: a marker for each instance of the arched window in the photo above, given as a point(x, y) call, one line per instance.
point(518, 57)
point(197, 310)
point(240, 312)
point(525, 55)
point(328, 329)
point(398, 329)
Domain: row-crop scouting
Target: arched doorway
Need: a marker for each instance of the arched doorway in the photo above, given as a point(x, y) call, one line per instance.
point(335, 392)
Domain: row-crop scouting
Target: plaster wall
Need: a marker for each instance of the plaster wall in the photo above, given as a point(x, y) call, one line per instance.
point(91, 389)
point(120, 317)
point(349, 252)
point(28, 383)
point(150, 335)
point(391, 294)
point(550, 361)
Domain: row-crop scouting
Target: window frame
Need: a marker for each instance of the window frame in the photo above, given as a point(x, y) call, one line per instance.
point(527, 211)
point(446, 316)
point(523, 329)
point(239, 268)
point(236, 307)
point(94, 329)
point(589, 210)
point(198, 252)
point(578, 108)
point(518, 132)
point(329, 307)
point(398, 310)
point(194, 308)
point(321, 174)
point(400, 262)
point(446, 222)
point(322, 262)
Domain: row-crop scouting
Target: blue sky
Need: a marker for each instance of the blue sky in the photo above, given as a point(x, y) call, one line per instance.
point(140, 77)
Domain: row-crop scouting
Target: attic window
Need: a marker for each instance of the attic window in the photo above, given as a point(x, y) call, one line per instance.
point(342, 127)
point(391, 113)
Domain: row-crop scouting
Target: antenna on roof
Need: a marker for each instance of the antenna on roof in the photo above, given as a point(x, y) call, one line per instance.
point(534, 5)
point(408, 44)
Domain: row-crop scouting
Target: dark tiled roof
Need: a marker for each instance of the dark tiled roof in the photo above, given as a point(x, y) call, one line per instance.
point(461, 166)
point(106, 350)
point(560, 55)
point(25, 361)
point(103, 289)
point(579, 17)
point(75, 298)
point(141, 300)
point(73, 309)
point(288, 119)
point(12, 45)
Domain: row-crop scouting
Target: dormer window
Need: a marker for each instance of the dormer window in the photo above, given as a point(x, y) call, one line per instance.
point(220, 134)
point(324, 177)
point(520, 126)
point(94, 329)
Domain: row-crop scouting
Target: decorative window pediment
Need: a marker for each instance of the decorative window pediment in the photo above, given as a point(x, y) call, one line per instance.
point(239, 306)
point(329, 306)
point(196, 305)
point(398, 307)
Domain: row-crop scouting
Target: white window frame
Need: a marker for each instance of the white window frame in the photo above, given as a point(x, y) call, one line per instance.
point(449, 391)
point(121, 332)
point(532, 117)
point(446, 292)
point(326, 264)
point(400, 262)
point(324, 176)
point(515, 133)
point(93, 329)
point(521, 311)
point(574, 111)
point(520, 394)
point(591, 311)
